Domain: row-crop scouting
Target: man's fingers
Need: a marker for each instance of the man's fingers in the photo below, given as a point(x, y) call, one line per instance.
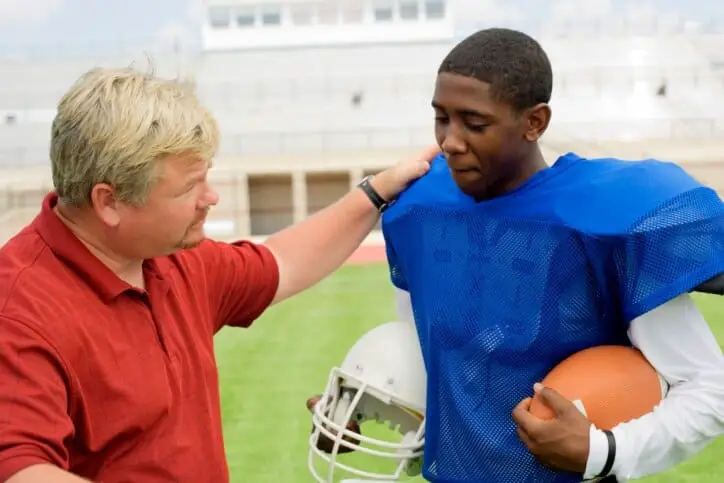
point(521, 408)
point(326, 444)
point(524, 418)
point(527, 440)
point(430, 152)
point(312, 401)
point(553, 399)
point(525, 403)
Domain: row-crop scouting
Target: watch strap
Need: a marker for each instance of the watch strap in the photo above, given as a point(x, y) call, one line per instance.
point(378, 201)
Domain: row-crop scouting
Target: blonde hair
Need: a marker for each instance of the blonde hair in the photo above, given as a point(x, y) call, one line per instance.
point(114, 125)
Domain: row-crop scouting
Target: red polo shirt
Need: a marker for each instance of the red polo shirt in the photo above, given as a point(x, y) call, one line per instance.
point(110, 382)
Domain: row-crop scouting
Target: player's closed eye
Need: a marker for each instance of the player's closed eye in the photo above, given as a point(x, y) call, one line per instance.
point(471, 126)
point(477, 127)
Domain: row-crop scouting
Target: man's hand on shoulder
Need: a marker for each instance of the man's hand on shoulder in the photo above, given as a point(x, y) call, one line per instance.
point(394, 180)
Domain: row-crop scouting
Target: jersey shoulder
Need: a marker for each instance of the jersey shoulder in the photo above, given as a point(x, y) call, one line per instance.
point(435, 189)
point(593, 196)
point(610, 195)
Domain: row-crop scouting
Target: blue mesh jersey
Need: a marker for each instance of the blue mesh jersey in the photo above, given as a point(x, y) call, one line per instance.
point(503, 290)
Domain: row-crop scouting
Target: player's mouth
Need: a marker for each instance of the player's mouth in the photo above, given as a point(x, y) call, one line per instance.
point(462, 170)
point(459, 167)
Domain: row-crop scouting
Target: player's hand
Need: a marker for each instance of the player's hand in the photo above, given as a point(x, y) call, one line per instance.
point(392, 181)
point(561, 443)
point(326, 444)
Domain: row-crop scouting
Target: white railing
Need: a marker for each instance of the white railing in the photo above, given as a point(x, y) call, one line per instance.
point(308, 144)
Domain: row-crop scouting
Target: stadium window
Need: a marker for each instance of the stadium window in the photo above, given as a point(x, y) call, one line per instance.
point(301, 14)
point(219, 17)
point(435, 8)
point(327, 14)
point(383, 12)
point(353, 11)
point(408, 10)
point(271, 16)
point(245, 17)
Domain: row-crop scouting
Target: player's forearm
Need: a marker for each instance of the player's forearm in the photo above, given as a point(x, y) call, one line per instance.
point(44, 474)
point(677, 341)
point(684, 424)
point(309, 251)
point(677, 430)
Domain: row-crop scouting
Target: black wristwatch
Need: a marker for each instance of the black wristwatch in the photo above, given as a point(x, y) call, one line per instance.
point(380, 203)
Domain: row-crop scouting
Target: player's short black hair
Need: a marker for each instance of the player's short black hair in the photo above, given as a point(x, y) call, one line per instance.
point(514, 64)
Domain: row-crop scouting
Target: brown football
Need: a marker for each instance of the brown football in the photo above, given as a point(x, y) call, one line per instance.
point(611, 384)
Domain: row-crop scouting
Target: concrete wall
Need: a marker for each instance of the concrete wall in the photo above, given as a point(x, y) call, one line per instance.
point(259, 203)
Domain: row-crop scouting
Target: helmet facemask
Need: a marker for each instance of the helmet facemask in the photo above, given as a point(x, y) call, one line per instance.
point(386, 388)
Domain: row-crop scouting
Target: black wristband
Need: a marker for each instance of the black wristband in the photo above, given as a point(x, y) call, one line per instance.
point(611, 454)
point(373, 195)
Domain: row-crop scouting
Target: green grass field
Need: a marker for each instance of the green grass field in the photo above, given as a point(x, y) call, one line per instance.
point(268, 372)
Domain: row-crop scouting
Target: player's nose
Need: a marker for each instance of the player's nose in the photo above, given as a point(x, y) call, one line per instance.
point(453, 145)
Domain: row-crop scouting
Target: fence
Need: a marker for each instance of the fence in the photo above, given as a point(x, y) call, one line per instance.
point(262, 203)
point(322, 149)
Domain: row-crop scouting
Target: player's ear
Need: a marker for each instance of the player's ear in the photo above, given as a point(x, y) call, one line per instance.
point(537, 119)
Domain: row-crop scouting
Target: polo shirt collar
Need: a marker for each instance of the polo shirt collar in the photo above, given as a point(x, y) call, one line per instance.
point(66, 246)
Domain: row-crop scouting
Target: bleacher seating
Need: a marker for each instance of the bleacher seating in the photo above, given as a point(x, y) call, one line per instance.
point(355, 97)
point(604, 89)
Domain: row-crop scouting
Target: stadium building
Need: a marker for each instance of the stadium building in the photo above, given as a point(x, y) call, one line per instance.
point(313, 95)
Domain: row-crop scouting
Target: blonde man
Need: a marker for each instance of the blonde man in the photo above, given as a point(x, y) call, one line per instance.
point(110, 298)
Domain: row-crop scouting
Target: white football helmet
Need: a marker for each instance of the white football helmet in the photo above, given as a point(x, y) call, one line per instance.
point(382, 378)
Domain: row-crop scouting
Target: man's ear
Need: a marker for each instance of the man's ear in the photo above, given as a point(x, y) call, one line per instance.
point(105, 204)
